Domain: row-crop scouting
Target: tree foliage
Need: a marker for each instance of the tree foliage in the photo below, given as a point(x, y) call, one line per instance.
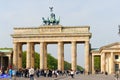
point(51, 62)
point(97, 62)
point(24, 59)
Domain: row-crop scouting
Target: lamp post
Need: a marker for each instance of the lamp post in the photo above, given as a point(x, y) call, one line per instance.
point(119, 29)
point(117, 74)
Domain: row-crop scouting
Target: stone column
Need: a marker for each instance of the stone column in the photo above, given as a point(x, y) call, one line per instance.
point(60, 56)
point(73, 55)
point(45, 55)
point(41, 55)
point(15, 55)
point(112, 62)
point(87, 67)
point(19, 55)
point(103, 62)
point(9, 62)
point(28, 55)
point(90, 70)
point(1, 63)
point(32, 55)
point(93, 70)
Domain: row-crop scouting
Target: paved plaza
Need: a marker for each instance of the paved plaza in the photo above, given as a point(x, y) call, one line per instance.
point(76, 77)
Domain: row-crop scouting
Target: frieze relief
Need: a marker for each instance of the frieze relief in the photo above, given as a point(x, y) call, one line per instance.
point(76, 29)
point(50, 29)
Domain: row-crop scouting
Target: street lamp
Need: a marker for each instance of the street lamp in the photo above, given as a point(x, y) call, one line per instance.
point(119, 29)
point(117, 74)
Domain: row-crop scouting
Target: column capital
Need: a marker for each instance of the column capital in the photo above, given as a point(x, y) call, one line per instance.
point(87, 42)
point(42, 41)
point(73, 41)
point(15, 42)
point(60, 41)
point(111, 53)
point(28, 42)
point(93, 55)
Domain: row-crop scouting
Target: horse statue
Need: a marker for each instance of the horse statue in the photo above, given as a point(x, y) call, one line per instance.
point(52, 20)
point(58, 21)
point(44, 21)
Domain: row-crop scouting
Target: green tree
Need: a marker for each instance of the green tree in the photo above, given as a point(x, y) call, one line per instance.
point(24, 59)
point(37, 60)
point(51, 62)
point(97, 62)
point(67, 65)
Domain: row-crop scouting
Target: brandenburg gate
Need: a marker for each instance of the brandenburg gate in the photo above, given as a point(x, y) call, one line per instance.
point(49, 33)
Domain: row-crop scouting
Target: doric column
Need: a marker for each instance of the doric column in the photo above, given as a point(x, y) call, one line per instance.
point(60, 56)
point(41, 55)
point(90, 57)
point(103, 62)
point(93, 70)
point(45, 55)
point(73, 55)
point(112, 62)
point(28, 55)
point(19, 55)
point(9, 62)
point(87, 67)
point(32, 55)
point(15, 55)
point(1, 61)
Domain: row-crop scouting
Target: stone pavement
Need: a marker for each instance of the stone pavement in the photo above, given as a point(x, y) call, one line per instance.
point(76, 77)
point(91, 77)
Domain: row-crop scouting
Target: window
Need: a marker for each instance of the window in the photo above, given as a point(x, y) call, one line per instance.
point(116, 67)
point(116, 57)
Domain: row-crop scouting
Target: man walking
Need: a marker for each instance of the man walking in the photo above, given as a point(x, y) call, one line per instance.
point(31, 73)
point(72, 73)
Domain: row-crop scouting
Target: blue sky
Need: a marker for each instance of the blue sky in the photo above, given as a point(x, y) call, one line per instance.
point(103, 17)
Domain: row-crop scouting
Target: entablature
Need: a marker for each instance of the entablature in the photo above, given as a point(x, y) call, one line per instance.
point(52, 29)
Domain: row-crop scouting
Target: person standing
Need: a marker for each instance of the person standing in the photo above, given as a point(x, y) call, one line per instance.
point(14, 74)
point(10, 73)
point(31, 73)
point(72, 73)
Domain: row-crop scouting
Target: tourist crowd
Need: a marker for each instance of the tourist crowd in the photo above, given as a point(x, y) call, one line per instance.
point(30, 73)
